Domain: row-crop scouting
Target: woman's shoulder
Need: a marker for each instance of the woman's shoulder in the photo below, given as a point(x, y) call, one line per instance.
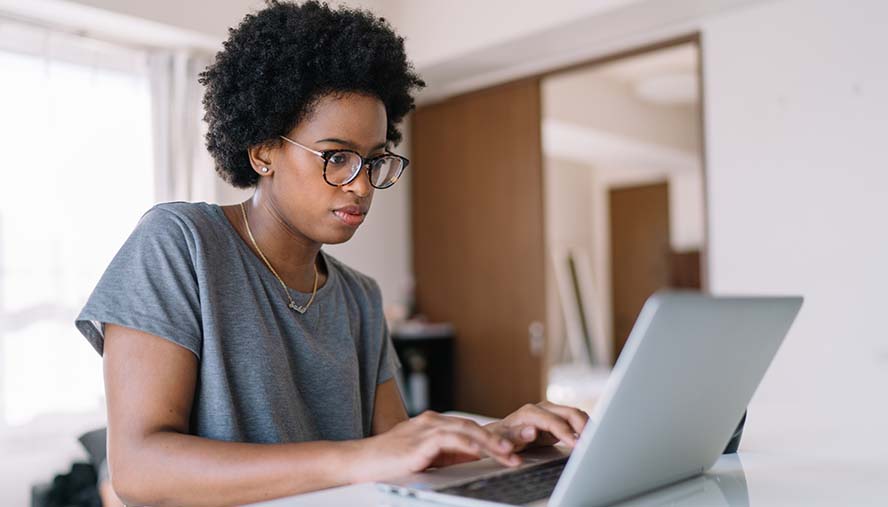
point(191, 212)
point(178, 218)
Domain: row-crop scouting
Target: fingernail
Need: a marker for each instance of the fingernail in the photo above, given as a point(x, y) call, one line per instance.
point(505, 445)
point(528, 433)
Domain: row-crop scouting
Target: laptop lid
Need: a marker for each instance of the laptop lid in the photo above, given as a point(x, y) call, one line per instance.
point(686, 374)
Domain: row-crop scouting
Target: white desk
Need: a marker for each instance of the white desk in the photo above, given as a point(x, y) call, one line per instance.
point(753, 479)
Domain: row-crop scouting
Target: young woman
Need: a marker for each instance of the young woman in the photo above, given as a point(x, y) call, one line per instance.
point(242, 363)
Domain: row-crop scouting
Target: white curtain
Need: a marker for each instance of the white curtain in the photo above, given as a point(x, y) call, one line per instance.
point(184, 168)
point(75, 134)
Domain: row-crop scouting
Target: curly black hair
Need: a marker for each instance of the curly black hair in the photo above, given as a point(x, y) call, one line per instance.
point(280, 60)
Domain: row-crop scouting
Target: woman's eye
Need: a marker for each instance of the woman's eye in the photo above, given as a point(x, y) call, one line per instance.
point(338, 158)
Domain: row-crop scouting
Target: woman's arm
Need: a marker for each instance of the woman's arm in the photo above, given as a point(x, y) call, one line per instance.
point(388, 408)
point(149, 385)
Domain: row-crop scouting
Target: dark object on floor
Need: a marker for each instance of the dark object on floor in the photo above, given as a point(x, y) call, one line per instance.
point(426, 355)
point(734, 443)
point(76, 488)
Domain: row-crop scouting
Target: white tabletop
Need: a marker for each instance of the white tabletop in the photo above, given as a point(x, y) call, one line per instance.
point(747, 478)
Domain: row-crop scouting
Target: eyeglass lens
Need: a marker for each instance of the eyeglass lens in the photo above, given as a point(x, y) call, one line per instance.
point(343, 165)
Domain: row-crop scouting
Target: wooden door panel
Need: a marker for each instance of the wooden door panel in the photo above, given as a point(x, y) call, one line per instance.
point(640, 252)
point(477, 227)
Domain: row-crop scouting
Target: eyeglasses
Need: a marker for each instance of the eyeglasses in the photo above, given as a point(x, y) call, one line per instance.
point(341, 167)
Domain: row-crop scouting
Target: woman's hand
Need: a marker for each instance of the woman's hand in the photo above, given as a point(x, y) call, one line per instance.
point(428, 440)
point(541, 424)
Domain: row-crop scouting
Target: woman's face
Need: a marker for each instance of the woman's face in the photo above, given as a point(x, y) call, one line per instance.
point(318, 211)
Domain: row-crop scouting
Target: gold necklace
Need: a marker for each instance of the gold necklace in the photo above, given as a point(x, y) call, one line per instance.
point(292, 304)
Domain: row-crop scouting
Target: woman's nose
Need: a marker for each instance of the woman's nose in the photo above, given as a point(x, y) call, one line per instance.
point(361, 184)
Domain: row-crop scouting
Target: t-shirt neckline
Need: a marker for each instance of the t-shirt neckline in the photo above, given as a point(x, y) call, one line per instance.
point(245, 250)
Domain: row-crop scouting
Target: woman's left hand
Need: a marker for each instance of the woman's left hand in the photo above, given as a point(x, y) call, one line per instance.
point(541, 424)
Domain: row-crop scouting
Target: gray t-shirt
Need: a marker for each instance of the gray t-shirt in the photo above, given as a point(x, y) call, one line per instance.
point(266, 373)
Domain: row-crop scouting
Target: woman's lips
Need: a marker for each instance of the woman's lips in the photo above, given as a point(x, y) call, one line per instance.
point(350, 216)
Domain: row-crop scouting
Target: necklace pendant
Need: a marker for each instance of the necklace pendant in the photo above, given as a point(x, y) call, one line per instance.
point(294, 306)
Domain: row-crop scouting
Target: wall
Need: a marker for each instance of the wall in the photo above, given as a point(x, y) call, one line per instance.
point(481, 24)
point(796, 123)
point(590, 98)
point(568, 212)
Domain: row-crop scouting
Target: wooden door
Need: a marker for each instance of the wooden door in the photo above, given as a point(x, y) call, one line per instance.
point(640, 252)
point(478, 252)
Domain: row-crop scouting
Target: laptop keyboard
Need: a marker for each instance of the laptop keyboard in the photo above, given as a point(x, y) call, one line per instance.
point(516, 488)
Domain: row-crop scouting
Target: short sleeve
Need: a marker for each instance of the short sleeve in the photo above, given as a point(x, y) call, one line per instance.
point(150, 285)
point(389, 364)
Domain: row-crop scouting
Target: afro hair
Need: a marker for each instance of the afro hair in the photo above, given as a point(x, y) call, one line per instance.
point(280, 60)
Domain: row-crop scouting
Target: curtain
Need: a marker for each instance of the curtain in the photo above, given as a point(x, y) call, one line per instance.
point(183, 167)
point(75, 133)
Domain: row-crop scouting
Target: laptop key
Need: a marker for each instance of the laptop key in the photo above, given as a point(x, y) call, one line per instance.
point(519, 487)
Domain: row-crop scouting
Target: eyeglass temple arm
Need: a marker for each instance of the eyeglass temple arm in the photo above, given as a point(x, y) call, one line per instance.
point(364, 161)
point(318, 153)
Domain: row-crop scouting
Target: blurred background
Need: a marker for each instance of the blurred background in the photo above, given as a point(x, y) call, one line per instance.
point(569, 158)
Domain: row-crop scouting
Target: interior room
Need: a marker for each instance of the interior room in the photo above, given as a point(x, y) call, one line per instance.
point(622, 148)
point(568, 161)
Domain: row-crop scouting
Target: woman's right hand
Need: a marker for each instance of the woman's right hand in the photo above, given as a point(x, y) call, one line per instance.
point(428, 440)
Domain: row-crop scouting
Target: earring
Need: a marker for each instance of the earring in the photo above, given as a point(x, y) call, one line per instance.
point(265, 169)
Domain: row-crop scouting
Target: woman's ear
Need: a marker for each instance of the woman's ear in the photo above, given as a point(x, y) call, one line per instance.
point(261, 158)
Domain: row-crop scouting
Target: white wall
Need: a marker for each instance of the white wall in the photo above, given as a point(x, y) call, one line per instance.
point(588, 97)
point(464, 26)
point(796, 126)
point(567, 222)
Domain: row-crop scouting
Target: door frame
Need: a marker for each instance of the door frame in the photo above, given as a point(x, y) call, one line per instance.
point(693, 37)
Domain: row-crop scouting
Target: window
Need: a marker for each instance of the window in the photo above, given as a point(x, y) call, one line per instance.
point(77, 173)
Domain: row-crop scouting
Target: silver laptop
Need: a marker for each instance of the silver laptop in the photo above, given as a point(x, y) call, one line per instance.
point(686, 374)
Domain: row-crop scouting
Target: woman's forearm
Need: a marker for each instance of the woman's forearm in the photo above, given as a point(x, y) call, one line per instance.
point(175, 469)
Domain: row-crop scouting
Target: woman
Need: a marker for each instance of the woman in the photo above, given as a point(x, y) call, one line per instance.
point(242, 363)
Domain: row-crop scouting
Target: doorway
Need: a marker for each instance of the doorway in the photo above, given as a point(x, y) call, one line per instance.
point(624, 192)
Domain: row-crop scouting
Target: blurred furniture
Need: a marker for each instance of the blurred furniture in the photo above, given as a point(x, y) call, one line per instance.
point(76, 488)
point(426, 354)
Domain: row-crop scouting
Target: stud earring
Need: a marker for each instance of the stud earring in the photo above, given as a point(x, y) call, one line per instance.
point(265, 169)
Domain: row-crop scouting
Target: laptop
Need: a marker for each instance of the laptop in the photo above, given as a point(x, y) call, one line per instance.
point(682, 382)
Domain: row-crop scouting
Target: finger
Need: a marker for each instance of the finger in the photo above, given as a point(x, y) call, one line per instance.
point(442, 441)
point(574, 416)
point(522, 433)
point(553, 423)
point(493, 443)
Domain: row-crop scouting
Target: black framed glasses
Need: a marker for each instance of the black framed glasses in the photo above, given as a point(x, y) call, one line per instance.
point(341, 167)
